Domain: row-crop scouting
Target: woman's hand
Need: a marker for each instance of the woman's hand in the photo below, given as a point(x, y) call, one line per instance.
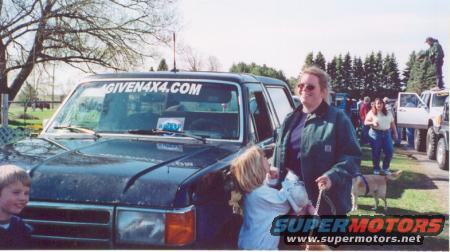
point(323, 182)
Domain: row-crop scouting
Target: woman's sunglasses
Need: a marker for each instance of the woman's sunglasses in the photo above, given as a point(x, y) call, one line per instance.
point(306, 87)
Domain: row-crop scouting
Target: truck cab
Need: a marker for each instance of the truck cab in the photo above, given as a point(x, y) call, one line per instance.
point(420, 112)
point(141, 160)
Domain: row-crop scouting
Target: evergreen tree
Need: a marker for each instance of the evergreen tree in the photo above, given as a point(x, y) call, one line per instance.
point(331, 70)
point(370, 75)
point(378, 74)
point(393, 82)
point(339, 80)
point(407, 72)
point(347, 75)
point(359, 77)
point(320, 61)
point(422, 76)
point(163, 65)
point(151, 69)
point(309, 61)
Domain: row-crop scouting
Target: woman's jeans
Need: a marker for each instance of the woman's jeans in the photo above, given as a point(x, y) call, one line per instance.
point(381, 140)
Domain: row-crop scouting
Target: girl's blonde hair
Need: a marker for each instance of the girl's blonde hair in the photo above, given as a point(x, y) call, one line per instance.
point(248, 169)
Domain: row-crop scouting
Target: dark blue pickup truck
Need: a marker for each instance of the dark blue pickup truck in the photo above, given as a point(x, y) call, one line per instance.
point(141, 160)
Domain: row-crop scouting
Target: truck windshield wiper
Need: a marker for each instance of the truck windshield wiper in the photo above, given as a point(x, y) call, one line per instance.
point(78, 129)
point(161, 132)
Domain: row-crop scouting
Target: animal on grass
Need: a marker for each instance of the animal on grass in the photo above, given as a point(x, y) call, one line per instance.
point(372, 185)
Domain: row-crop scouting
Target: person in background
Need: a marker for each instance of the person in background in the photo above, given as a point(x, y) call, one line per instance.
point(381, 122)
point(363, 110)
point(436, 57)
point(14, 195)
point(318, 143)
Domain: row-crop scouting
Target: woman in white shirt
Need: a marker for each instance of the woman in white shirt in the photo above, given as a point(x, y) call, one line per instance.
point(382, 123)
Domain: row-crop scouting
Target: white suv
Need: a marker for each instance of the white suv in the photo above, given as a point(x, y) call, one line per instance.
point(420, 113)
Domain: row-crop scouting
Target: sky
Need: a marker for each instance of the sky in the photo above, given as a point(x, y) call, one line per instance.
point(281, 33)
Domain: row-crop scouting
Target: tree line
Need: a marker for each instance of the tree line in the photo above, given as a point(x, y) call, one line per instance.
point(377, 75)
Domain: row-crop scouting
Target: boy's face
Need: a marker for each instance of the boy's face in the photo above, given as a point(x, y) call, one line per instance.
point(13, 198)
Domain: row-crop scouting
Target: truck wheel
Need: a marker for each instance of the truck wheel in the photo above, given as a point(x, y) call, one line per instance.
point(431, 144)
point(442, 154)
point(419, 140)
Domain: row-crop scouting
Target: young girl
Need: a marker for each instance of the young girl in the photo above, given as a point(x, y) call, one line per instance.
point(262, 203)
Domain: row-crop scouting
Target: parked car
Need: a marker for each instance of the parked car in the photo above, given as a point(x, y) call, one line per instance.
point(420, 113)
point(441, 132)
point(141, 160)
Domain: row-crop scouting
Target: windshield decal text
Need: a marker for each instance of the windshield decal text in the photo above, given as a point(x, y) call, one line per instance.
point(153, 87)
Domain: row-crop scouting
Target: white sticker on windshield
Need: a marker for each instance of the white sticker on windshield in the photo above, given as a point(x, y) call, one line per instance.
point(175, 124)
point(153, 86)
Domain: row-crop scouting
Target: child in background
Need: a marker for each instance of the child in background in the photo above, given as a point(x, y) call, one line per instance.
point(262, 203)
point(14, 195)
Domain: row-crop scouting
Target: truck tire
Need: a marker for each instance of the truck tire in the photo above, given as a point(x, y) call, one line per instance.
point(442, 154)
point(431, 144)
point(419, 140)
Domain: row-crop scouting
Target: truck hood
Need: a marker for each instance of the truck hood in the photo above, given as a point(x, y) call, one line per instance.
point(120, 172)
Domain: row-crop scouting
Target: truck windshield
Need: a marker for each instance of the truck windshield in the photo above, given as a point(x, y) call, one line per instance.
point(209, 110)
point(439, 99)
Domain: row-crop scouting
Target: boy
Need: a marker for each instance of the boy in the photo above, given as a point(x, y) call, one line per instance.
point(14, 195)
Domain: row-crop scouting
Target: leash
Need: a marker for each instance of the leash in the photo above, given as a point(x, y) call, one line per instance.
point(316, 212)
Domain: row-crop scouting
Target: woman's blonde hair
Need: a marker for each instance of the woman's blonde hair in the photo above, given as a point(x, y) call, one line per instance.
point(248, 169)
point(324, 79)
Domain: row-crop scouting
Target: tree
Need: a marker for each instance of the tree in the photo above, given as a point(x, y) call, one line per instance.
point(213, 64)
point(192, 58)
point(391, 77)
point(339, 84)
point(320, 61)
point(422, 76)
point(347, 75)
point(81, 33)
point(258, 70)
point(27, 95)
point(163, 65)
point(358, 77)
point(309, 61)
point(332, 71)
point(152, 69)
point(407, 72)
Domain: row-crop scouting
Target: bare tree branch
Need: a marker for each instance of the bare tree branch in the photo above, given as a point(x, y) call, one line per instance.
point(115, 34)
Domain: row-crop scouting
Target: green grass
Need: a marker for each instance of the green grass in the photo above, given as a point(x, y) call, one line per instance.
point(36, 124)
point(411, 194)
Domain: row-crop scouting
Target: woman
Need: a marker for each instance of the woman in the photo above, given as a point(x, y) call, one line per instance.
point(318, 143)
point(381, 122)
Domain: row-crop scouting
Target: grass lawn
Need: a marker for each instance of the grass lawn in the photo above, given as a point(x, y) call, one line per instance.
point(412, 194)
point(34, 124)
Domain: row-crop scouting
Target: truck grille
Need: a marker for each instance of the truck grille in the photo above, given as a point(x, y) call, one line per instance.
point(57, 225)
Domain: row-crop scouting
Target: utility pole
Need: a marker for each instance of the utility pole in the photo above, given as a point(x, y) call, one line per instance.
point(53, 86)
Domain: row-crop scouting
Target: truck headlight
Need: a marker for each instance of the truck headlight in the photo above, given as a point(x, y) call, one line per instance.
point(139, 226)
